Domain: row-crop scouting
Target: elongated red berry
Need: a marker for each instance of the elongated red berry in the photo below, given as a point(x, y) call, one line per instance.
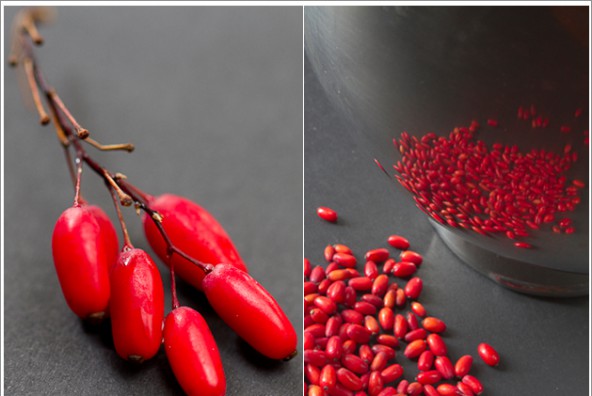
point(83, 243)
point(473, 383)
point(488, 354)
point(109, 232)
point(429, 377)
point(327, 214)
point(250, 311)
point(137, 306)
point(444, 367)
point(463, 366)
point(398, 242)
point(377, 255)
point(411, 256)
point(193, 230)
point(434, 325)
point(193, 354)
point(437, 345)
point(415, 348)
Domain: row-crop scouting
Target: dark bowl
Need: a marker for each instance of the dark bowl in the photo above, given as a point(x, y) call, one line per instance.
point(420, 69)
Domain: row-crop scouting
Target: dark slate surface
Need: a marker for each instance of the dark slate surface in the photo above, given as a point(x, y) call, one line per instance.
point(543, 342)
point(212, 98)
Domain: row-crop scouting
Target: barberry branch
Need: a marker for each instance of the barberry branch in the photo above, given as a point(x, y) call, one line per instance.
point(71, 135)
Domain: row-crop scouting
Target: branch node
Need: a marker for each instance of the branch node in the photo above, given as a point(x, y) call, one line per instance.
point(82, 133)
point(157, 217)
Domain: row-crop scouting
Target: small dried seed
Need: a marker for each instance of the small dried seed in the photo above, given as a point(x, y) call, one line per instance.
point(398, 242)
point(327, 214)
point(434, 325)
point(425, 361)
point(418, 309)
point(414, 349)
point(417, 334)
point(473, 383)
point(463, 366)
point(329, 252)
point(379, 362)
point(404, 269)
point(354, 363)
point(413, 288)
point(345, 260)
point(377, 255)
point(375, 383)
point(386, 318)
point(444, 367)
point(411, 256)
point(488, 354)
point(447, 390)
point(349, 380)
point(328, 377)
point(437, 345)
point(429, 377)
point(400, 326)
point(361, 283)
point(388, 340)
point(391, 373)
point(464, 389)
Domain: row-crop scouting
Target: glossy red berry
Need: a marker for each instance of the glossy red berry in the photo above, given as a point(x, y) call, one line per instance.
point(194, 231)
point(250, 311)
point(488, 354)
point(327, 214)
point(137, 306)
point(108, 230)
point(83, 244)
point(193, 354)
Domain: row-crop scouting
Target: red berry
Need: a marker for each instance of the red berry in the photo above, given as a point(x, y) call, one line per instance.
point(193, 354)
point(250, 311)
point(327, 214)
point(463, 366)
point(83, 243)
point(377, 255)
point(411, 256)
point(194, 231)
point(434, 325)
point(398, 242)
point(488, 354)
point(108, 230)
point(137, 306)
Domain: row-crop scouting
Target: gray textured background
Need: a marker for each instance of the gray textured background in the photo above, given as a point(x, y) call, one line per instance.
point(212, 98)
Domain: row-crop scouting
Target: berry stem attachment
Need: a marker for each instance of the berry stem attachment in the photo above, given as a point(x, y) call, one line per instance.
point(174, 299)
point(127, 244)
point(77, 196)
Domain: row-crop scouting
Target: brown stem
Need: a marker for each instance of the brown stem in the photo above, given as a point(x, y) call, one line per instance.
point(80, 131)
point(58, 129)
point(71, 170)
point(28, 24)
point(43, 117)
point(174, 299)
point(126, 239)
point(78, 180)
point(117, 184)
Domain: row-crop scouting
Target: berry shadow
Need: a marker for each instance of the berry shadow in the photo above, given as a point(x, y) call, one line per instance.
point(101, 330)
point(257, 359)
